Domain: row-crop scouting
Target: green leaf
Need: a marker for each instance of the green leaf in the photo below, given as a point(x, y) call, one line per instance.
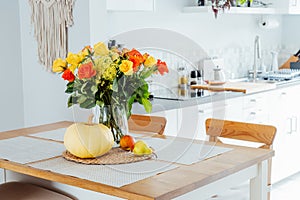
point(70, 88)
point(89, 103)
point(94, 89)
point(147, 105)
point(81, 99)
point(148, 73)
point(70, 101)
point(115, 85)
point(82, 89)
point(100, 103)
point(129, 104)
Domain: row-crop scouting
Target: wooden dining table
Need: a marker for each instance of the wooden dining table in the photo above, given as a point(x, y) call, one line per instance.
point(198, 180)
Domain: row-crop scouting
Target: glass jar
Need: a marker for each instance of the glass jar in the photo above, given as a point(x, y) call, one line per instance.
point(182, 77)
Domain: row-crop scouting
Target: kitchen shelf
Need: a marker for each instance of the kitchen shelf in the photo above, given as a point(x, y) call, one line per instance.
point(232, 10)
point(130, 5)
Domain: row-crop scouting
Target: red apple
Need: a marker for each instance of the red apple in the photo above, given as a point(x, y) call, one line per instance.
point(127, 142)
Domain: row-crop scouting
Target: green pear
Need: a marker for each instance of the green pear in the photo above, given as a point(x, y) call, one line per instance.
point(141, 148)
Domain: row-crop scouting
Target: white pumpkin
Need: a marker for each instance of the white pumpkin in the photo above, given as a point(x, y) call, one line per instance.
point(88, 140)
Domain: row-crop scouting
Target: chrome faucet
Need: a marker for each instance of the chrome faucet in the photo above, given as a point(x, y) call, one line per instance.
point(257, 56)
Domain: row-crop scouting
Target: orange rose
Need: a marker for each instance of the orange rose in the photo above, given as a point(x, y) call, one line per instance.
point(68, 75)
point(162, 67)
point(86, 50)
point(136, 57)
point(86, 71)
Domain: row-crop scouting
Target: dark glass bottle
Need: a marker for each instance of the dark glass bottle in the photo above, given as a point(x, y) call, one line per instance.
point(201, 2)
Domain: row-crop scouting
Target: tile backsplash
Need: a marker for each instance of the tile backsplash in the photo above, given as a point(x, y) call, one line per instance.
point(237, 63)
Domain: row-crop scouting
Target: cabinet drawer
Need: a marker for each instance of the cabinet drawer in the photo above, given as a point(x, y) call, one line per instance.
point(258, 101)
point(256, 116)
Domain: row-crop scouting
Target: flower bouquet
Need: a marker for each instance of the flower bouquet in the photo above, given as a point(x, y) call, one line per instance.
point(108, 78)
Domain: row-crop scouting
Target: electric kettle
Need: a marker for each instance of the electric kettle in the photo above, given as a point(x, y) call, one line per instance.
point(219, 74)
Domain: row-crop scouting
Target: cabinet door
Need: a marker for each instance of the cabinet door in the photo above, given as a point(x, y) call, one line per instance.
point(191, 120)
point(171, 116)
point(287, 6)
point(294, 6)
point(285, 116)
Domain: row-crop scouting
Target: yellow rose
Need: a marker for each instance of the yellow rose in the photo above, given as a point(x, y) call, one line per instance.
point(100, 49)
point(74, 59)
point(72, 68)
point(59, 65)
point(126, 67)
point(150, 61)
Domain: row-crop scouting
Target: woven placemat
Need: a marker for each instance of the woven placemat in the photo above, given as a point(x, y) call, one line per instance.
point(113, 157)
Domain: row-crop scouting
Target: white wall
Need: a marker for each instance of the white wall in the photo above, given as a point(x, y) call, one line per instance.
point(11, 97)
point(290, 36)
point(229, 36)
point(44, 98)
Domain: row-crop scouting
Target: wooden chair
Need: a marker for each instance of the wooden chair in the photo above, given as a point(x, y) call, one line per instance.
point(259, 133)
point(145, 123)
point(27, 191)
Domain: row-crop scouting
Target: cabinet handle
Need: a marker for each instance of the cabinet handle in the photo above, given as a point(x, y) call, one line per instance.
point(294, 127)
point(283, 93)
point(201, 111)
point(290, 126)
point(252, 113)
point(296, 124)
point(252, 100)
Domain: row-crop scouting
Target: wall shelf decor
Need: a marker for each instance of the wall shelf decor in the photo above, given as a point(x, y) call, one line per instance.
point(232, 10)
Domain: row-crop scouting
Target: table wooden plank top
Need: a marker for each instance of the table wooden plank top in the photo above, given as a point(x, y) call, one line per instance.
point(166, 185)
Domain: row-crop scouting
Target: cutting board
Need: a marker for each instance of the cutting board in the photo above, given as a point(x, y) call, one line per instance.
point(244, 87)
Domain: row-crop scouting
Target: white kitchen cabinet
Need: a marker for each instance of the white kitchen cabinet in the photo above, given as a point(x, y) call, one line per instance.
point(279, 107)
point(191, 120)
point(255, 108)
point(287, 6)
point(285, 116)
point(130, 5)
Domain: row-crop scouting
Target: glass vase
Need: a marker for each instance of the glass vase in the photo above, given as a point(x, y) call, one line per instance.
point(114, 117)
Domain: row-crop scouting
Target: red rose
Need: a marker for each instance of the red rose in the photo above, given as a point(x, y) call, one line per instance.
point(68, 75)
point(162, 67)
point(86, 71)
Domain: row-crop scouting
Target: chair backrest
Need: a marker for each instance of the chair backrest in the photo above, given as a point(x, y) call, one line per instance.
point(240, 131)
point(145, 123)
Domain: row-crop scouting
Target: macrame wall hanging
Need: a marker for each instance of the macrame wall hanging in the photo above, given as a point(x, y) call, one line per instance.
point(51, 19)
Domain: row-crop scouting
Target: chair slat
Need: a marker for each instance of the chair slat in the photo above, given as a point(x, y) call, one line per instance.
point(264, 134)
point(145, 123)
